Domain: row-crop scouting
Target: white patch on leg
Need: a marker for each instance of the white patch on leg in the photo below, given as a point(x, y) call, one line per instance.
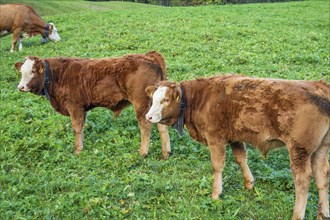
point(27, 75)
point(154, 114)
point(20, 45)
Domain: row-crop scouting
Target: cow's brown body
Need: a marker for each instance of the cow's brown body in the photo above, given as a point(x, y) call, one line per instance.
point(18, 18)
point(267, 113)
point(78, 85)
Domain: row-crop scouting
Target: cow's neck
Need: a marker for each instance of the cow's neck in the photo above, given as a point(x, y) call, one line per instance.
point(39, 27)
point(195, 99)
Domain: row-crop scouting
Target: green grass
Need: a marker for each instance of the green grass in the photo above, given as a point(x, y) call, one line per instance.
point(40, 178)
point(60, 7)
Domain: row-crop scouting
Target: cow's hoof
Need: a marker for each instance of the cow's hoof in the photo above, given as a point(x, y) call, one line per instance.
point(215, 196)
point(297, 216)
point(77, 152)
point(166, 155)
point(321, 216)
point(249, 185)
point(143, 155)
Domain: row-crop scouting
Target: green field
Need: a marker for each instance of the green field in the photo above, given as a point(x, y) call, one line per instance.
point(40, 178)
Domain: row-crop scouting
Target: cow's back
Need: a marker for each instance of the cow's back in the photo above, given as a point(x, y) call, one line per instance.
point(267, 111)
point(108, 82)
point(256, 109)
point(13, 15)
point(7, 16)
point(285, 94)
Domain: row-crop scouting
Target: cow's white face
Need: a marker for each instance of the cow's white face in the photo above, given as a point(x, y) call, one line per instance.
point(159, 100)
point(27, 75)
point(165, 108)
point(54, 36)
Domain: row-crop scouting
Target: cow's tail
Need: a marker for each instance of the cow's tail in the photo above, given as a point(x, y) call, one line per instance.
point(322, 99)
point(161, 62)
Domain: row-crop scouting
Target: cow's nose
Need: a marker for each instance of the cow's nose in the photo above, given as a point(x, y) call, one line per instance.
point(20, 88)
point(149, 118)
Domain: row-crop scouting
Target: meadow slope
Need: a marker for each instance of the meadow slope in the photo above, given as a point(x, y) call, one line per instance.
point(40, 178)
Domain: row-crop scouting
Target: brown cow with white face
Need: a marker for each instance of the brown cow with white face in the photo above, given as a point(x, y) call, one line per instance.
point(22, 19)
point(267, 113)
point(74, 86)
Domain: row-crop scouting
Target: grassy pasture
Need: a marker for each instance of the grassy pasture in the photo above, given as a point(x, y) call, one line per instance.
point(40, 178)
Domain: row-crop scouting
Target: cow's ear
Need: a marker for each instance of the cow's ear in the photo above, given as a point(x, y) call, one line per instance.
point(39, 65)
point(18, 66)
point(51, 27)
point(150, 90)
point(41, 69)
point(177, 93)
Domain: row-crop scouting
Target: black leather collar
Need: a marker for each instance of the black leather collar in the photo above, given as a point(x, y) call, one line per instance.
point(179, 124)
point(44, 90)
point(46, 32)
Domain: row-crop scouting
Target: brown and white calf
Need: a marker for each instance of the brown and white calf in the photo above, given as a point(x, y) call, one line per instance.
point(22, 19)
point(267, 113)
point(74, 86)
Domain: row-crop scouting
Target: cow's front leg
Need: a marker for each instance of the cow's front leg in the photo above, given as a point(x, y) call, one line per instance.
point(239, 153)
point(145, 130)
point(78, 117)
point(218, 157)
point(166, 146)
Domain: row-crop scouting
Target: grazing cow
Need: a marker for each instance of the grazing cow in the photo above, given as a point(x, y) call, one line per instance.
point(74, 86)
point(18, 19)
point(267, 113)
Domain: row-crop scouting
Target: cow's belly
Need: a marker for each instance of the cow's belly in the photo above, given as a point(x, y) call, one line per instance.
point(262, 141)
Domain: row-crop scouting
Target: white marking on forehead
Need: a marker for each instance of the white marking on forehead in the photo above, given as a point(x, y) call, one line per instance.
point(27, 66)
point(159, 94)
point(27, 74)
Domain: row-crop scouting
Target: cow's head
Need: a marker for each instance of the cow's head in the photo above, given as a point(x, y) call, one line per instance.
point(165, 108)
point(53, 35)
point(32, 70)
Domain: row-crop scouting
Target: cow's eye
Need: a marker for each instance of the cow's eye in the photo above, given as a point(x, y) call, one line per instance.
point(166, 99)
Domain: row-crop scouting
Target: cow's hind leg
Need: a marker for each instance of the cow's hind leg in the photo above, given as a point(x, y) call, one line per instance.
point(78, 117)
point(166, 146)
point(321, 172)
point(300, 161)
point(16, 37)
point(239, 153)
